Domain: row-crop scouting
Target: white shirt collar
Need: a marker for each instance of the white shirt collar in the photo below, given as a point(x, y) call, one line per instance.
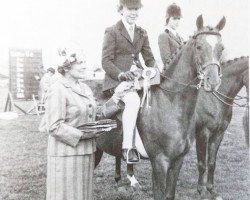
point(127, 25)
point(172, 30)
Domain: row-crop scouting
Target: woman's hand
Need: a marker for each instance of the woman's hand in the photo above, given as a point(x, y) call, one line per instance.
point(94, 134)
point(88, 135)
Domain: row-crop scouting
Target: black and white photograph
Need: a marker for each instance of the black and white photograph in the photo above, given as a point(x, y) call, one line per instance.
point(124, 100)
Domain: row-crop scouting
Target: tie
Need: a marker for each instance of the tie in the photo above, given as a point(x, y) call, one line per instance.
point(131, 32)
point(178, 37)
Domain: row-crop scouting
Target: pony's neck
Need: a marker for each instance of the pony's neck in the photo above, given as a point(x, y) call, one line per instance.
point(233, 74)
point(181, 67)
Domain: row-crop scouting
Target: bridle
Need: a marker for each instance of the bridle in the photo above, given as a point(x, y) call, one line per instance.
point(200, 72)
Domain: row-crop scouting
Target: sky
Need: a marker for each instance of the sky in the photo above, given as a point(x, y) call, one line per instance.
point(80, 24)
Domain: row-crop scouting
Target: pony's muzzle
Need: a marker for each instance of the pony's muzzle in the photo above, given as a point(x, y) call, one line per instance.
point(212, 79)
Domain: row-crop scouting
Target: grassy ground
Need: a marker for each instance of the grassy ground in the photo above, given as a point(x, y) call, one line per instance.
point(23, 166)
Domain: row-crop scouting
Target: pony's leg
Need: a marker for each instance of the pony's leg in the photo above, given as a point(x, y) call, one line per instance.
point(117, 169)
point(201, 150)
point(172, 177)
point(98, 156)
point(130, 175)
point(160, 165)
point(213, 146)
point(246, 125)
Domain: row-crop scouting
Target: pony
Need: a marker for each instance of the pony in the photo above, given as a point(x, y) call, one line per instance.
point(166, 129)
point(245, 119)
point(235, 76)
point(213, 113)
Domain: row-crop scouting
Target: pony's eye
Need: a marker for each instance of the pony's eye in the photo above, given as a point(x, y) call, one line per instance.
point(198, 47)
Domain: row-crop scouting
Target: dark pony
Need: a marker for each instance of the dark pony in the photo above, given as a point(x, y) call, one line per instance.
point(213, 115)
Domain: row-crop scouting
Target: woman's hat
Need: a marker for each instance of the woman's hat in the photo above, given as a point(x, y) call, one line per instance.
point(52, 70)
point(131, 3)
point(173, 11)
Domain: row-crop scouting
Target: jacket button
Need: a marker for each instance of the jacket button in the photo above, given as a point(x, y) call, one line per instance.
point(90, 105)
point(90, 116)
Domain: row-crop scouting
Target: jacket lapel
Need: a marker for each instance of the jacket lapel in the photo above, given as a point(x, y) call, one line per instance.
point(136, 35)
point(123, 31)
point(174, 37)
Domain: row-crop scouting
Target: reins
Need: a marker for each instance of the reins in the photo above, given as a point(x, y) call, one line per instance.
point(216, 94)
point(184, 84)
point(238, 97)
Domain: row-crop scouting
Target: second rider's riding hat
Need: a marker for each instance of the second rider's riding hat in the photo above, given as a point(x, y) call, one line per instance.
point(173, 11)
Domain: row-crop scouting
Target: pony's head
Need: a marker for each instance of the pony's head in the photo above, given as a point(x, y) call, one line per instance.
point(208, 49)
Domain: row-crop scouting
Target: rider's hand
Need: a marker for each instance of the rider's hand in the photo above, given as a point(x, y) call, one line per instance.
point(122, 89)
point(127, 76)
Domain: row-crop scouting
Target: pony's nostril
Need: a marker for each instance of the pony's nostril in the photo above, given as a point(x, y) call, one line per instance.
point(208, 79)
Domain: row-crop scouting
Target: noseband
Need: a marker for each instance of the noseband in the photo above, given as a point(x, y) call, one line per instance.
point(201, 73)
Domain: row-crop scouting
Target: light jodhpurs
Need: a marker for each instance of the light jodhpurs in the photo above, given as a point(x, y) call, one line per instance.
point(129, 117)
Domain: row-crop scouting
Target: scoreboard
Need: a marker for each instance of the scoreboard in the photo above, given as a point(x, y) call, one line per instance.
point(24, 67)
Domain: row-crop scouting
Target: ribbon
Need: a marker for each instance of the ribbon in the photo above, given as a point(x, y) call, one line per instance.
point(146, 74)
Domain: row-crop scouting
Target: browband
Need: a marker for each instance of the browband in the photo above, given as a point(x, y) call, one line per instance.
point(206, 32)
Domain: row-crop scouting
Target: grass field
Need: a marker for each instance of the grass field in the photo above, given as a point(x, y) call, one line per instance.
point(23, 166)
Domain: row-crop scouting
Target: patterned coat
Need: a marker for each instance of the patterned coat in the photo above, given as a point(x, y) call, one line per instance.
point(70, 160)
point(168, 44)
point(66, 108)
point(119, 51)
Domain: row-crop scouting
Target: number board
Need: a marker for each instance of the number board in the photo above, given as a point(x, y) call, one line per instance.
point(24, 67)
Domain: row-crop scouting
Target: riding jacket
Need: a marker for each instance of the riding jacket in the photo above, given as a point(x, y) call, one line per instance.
point(168, 44)
point(119, 52)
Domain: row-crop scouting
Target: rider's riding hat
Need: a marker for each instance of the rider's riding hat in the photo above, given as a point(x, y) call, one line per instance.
point(131, 4)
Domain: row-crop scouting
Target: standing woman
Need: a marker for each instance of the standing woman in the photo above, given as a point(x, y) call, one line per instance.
point(70, 164)
point(170, 40)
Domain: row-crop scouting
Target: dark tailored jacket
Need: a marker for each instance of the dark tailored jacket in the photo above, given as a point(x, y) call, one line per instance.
point(168, 44)
point(119, 51)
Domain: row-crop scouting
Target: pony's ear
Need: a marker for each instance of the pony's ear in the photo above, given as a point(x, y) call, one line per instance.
point(221, 24)
point(199, 22)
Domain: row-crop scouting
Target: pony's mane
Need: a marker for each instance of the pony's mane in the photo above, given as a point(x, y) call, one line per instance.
point(231, 61)
point(175, 55)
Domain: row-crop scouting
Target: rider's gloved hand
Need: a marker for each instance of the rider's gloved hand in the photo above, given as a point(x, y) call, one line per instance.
point(126, 76)
point(122, 89)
